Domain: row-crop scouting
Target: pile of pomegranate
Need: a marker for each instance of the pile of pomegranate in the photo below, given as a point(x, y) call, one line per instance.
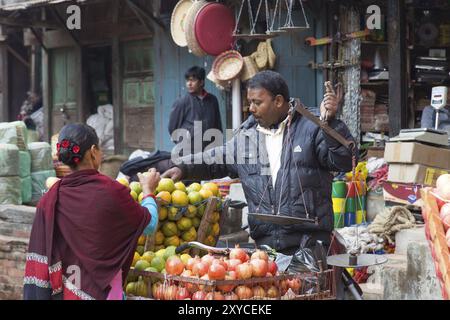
point(443, 200)
point(237, 266)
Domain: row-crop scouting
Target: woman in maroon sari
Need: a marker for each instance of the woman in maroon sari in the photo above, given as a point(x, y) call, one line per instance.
point(86, 227)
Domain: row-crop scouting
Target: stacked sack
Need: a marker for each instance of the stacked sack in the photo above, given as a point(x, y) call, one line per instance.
point(25, 176)
point(41, 168)
point(14, 163)
point(10, 186)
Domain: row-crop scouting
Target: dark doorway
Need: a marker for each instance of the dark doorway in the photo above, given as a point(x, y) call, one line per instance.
point(99, 77)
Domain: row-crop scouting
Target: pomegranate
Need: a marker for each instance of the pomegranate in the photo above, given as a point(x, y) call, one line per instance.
point(238, 253)
point(199, 295)
point(294, 284)
point(243, 292)
point(170, 292)
point(205, 287)
point(259, 254)
point(259, 292)
point(208, 259)
point(231, 296)
point(191, 262)
point(232, 264)
point(157, 291)
point(273, 292)
point(259, 267)
point(216, 272)
point(273, 268)
point(230, 275)
point(214, 296)
point(200, 269)
point(443, 186)
point(283, 287)
point(174, 266)
point(244, 271)
point(221, 262)
point(183, 293)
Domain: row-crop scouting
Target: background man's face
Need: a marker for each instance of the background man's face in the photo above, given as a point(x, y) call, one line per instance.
point(263, 107)
point(194, 85)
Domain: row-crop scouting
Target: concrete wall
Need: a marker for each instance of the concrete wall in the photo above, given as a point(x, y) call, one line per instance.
point(15, 228)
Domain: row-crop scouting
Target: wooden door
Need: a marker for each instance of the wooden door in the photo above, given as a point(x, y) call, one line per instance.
point(138, 95)
point(64, 87)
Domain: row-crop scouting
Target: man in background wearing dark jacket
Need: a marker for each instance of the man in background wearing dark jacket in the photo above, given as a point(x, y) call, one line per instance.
point(284, 164)
point(195, 112)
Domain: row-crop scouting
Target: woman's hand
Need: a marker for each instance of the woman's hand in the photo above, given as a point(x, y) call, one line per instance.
point(149, 181)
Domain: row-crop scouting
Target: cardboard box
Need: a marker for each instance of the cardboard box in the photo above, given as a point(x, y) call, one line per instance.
point(414, 174)
point(402, 193)
point(375, 152)
point(417, 153)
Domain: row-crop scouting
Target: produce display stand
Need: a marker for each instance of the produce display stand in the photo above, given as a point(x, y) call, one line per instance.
point(435, 234)
point(313, 285)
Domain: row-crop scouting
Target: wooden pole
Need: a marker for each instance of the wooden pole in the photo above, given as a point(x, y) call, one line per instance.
point(398, 96)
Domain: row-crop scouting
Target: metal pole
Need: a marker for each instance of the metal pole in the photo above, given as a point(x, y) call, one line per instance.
point(236, 103)
point(436, 124)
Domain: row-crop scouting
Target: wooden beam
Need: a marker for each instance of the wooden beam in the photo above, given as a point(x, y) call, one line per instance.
point(64, 26)
point(117, 84)
point(4, 83)
point(398, 95)
point(46, 92)
point(39, 39)
point(18, 56)
point(138, 14)
point(26, 23)
point(147, 15)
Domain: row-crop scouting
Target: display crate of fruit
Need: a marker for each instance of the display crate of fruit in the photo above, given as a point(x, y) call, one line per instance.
point(436, 214)
point(238, 276)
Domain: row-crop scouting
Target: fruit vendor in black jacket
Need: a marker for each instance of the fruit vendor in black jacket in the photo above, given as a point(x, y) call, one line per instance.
point(196, 108)
point(284, 164)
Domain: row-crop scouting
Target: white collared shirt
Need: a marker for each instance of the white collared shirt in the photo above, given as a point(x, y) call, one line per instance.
point(274, 147)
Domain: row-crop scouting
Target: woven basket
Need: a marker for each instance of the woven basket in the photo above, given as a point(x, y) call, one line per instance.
point(220, 84)
point(228, 65)
point(177, 22)
point(271, 53)
point(250, 69)
point(261, 56)
point(189, 28)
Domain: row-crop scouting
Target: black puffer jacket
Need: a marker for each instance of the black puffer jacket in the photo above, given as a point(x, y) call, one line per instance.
point(308, 155)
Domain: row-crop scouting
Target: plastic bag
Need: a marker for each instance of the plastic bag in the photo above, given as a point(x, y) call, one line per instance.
point(10, 191)
point(41, 156)
point(103, 124)
point(38, 118)
point(26, 189)
point(24, 164)
point(311, 257)
point(9, 160)
point(38, 186)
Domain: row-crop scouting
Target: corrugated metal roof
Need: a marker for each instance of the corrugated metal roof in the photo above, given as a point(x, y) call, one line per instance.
point(10, 5)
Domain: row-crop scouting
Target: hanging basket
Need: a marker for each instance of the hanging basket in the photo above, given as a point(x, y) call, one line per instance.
point(250, 69)
point(228, 65)
point(177, 23)
point(189, 28)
